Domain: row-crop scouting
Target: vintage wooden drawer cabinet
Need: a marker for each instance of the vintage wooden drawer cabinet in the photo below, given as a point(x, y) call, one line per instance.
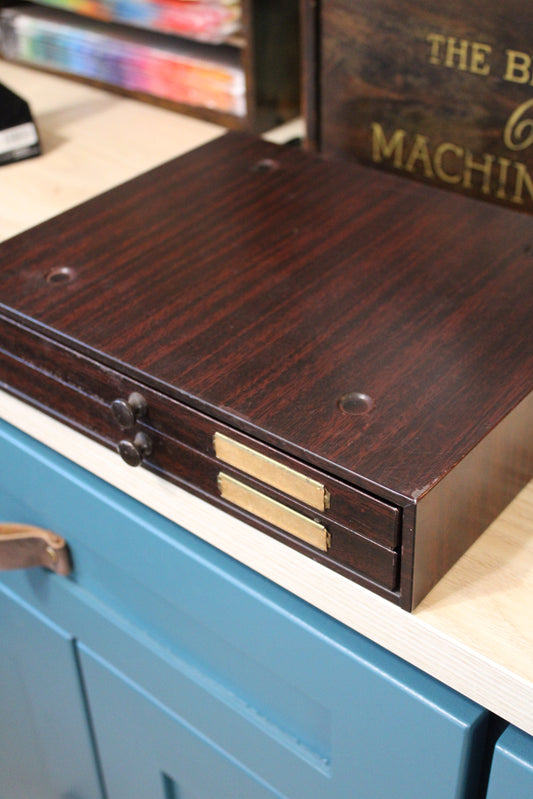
point(340, 358)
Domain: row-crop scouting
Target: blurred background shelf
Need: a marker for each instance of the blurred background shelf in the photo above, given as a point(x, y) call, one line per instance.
point(233, 63)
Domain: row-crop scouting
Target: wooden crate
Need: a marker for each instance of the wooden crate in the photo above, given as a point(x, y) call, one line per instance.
point(441, 92)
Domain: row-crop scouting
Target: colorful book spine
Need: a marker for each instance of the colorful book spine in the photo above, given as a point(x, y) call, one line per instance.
point(156, 65)
point(209, 21)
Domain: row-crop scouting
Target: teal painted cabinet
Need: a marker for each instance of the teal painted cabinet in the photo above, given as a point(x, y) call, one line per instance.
point(182, 674)
point(46, 750)
point(511, 774)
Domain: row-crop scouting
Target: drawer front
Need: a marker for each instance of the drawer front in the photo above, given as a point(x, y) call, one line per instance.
point(43, 753)
point(361, 533)
point(511, 773)
point(181, 644)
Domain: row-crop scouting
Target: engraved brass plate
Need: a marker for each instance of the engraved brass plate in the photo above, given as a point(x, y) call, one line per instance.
point(273, 512)
point(277, 475)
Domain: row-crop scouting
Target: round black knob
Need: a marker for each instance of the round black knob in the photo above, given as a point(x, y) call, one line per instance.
point(133, 452)
point(126, 412)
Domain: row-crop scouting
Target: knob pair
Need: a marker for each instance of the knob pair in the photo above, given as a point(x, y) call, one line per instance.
point(126, 413)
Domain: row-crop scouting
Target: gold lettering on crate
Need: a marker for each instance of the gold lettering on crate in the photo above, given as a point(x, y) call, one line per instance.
point(462, 54)
point(448, 162)
point(518, 67)
point(491, 174)
point(518, 133)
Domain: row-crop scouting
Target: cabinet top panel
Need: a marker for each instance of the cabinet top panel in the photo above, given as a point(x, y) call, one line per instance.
point(369, 325)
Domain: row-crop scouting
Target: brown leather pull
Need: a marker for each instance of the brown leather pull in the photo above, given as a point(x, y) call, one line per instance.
point(23, 547)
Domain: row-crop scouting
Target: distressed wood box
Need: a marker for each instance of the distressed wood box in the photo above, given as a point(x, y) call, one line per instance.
point(438, 92)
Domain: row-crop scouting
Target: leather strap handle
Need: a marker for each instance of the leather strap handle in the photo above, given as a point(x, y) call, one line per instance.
point(24, 547)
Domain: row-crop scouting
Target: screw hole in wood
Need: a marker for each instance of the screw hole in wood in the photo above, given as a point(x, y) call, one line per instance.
point(355, 403)
point(265, 165)
point(60, 274)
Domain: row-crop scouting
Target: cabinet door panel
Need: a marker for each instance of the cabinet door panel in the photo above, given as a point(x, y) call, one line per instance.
point(45, 746)
point(511, 774)
point(148, 750)
point(172, 723)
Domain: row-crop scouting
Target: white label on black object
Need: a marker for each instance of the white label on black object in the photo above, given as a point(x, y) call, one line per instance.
point(20, 136)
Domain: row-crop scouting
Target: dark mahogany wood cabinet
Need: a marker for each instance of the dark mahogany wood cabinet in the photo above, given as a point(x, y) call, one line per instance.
point(342, 358)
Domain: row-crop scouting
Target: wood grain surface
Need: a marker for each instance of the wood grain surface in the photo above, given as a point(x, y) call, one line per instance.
point(265, 294)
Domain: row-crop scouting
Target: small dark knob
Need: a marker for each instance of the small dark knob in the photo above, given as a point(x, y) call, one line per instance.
point(132, 452)
point(127, 412)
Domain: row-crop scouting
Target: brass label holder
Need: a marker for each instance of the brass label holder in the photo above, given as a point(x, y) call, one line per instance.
point(267, 470)
point(275, 513)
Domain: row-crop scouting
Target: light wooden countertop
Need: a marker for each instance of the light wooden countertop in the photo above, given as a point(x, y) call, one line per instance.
point(474, 631)
point(92, 140)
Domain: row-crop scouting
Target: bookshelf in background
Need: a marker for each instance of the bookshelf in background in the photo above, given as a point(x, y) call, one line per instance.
point(233, 62)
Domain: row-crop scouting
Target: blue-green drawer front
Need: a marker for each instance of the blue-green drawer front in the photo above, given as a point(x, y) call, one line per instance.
point(511, 774)
point(300, 705)
point(46, 750)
